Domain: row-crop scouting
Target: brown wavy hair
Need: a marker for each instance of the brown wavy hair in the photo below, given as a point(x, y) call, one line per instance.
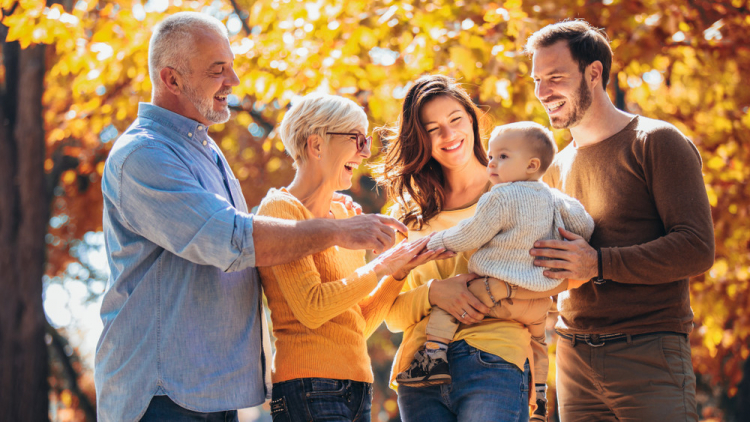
point(410, 175)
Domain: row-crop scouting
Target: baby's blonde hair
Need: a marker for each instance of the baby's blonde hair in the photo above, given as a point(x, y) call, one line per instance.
point(541, 141)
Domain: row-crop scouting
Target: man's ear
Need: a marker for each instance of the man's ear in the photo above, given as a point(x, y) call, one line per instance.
point(594, 73)
point(314, 147)
point(534, 165)
point(171, 80)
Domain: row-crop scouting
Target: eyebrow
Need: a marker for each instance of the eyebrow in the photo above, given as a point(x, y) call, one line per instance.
point(554, 71)
point(449, 115)
point(221, 62)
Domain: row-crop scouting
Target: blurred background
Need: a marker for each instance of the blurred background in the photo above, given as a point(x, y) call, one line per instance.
point(73, 72)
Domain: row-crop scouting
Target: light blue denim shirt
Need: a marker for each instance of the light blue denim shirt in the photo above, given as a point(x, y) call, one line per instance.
point(182, 307)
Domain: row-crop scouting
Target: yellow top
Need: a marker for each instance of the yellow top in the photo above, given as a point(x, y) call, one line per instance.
point(505, 338)
point(324, 306)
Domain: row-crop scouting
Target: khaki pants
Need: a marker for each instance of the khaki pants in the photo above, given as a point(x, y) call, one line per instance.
point(531, 313)
point(648, 378)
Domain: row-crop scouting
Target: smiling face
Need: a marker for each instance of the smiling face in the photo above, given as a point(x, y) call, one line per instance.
point(449, 128)
point(211, 79)
point(560, 86)
point(341, 157)
point(510, 158)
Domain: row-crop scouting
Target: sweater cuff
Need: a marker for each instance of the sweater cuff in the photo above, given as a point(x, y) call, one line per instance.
point(436, 242)
point(392, 287)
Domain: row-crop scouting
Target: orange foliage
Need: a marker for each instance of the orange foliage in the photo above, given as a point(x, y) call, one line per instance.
point(685, 62)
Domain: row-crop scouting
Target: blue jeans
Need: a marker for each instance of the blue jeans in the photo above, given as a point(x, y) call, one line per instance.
point(484, 388)
point(162, 408)
point(321, 399)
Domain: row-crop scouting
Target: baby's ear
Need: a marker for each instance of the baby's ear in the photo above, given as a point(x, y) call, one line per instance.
point(534, 165)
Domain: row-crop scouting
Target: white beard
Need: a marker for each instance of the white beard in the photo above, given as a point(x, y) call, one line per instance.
point(204, 105)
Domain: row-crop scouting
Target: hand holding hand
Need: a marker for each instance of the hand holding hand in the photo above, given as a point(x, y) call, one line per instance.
point(394, 259)
point(424, 257)
point(574, 257)
point(452, 295)
point(368, 231)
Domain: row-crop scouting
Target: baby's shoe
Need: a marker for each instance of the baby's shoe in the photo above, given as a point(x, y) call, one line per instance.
point(427, 368)
point(540, 414)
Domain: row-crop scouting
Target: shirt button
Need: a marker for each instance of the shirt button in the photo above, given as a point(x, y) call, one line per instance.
point(200, 127)
point(190, 135)
point(205, 143)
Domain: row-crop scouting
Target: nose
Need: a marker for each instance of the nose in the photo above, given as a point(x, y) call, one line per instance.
point(447, 132)
point(233, 79)
point(541, 90)
point(366, 153)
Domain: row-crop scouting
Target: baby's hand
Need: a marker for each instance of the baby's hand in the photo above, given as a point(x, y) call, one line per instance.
point(574, 284)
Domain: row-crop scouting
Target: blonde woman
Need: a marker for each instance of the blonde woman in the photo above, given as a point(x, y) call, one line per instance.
point(324, 306)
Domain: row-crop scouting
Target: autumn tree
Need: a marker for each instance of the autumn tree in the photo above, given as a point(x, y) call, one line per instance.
point(681, 61)
point(24, 212)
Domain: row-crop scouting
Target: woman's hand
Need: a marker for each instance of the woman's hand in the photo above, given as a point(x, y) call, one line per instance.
point(348, 202)
point(452, 295)
point(401, 256)
point(424, 257)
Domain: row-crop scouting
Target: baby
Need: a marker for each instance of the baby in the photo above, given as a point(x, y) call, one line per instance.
point(516, 212)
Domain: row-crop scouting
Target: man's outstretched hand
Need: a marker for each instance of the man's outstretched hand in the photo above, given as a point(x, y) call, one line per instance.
point(368, 231)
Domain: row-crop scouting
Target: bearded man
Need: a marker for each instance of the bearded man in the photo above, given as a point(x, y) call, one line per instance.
point(622, 351)
point(184, 329)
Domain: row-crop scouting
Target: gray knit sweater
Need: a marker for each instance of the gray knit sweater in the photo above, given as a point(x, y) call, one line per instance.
point(508, 220)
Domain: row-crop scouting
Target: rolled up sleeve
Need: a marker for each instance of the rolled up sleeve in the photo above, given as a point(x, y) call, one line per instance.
point(163, 201)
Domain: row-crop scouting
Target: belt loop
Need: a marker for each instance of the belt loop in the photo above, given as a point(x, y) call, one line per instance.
point(628, 339)
point(573, 340)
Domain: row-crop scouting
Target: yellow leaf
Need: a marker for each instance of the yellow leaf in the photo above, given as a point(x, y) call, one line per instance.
point(273, 164)
point(68, 177)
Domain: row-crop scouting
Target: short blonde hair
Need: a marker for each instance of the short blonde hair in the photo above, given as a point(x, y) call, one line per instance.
point(540, 140)
point(316, 114)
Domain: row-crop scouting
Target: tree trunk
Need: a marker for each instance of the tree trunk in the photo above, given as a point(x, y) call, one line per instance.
point(24, 213)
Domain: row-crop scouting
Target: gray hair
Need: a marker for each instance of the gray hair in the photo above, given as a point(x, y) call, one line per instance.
point(316, 114)
point(173, 39)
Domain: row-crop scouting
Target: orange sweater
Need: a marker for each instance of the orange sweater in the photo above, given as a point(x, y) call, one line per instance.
point(324, 306)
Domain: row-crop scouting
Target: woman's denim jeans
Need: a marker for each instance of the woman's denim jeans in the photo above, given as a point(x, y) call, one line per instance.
point(485, 388)
point(321, 399)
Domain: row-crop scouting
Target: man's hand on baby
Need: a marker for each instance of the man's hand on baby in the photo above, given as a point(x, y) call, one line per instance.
point(571, 258)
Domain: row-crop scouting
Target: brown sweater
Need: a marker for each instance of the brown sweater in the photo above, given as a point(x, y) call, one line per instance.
point(644, 188)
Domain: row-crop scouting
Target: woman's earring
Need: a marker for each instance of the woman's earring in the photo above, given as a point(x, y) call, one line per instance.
point(318, 155)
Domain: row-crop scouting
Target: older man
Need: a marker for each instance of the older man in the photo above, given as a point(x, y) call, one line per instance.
point(184, 331)
point(623, 352)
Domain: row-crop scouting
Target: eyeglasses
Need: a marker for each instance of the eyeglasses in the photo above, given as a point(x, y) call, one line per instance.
point(363, 143)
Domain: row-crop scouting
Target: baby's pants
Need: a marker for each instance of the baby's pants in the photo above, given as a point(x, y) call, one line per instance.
point(530, 312)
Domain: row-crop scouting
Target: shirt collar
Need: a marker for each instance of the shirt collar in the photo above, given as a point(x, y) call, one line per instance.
point(184, 126)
